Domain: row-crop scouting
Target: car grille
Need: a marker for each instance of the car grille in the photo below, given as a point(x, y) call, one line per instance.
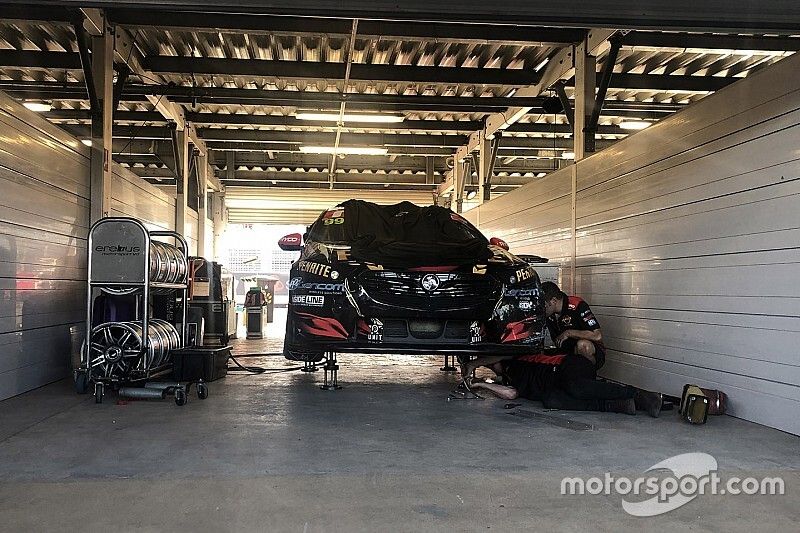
point(405, 290)
point(426, 329)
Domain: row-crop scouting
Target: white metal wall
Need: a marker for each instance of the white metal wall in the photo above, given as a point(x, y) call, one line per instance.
point(44, 220)
point(131, 196)
point(687, 245)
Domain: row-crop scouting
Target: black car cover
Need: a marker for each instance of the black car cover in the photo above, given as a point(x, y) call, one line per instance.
point(406, 235)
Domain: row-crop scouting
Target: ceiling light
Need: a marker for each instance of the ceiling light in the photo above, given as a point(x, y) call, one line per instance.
point(471, 194)
point(539, 67)
point(634, 124)
point(568, 155)
point(351, 150)
point(541, 174)
point(39, 107)
point(87, 142)
point(350, 117)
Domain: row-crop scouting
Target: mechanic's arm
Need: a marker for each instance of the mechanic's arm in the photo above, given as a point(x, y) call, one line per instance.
point(594, 335)
point(487, 360)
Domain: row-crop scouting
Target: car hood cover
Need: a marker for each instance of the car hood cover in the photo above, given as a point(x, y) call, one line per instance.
point(406, 235)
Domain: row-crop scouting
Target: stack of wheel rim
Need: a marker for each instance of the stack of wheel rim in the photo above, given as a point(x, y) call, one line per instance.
point(167, 265)
point(117, 349)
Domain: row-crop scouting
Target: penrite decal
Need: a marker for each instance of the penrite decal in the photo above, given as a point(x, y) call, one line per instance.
point(317, 269)
point(526, 273)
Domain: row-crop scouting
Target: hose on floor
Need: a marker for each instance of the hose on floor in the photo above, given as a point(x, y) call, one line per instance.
point(258, 369)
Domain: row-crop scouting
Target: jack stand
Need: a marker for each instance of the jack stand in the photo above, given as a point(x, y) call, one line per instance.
point(464, 392)
point(332, 368)
point(308, 366)
point(448, 364)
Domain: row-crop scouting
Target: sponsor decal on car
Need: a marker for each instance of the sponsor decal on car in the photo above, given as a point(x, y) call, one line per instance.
point(522, 292)
point(310, 300)
point(321, 288)
point(475, 332)
point(375, 333)
point(525, 305)
point(524, 274)
point(318, 269)
point(324, 288)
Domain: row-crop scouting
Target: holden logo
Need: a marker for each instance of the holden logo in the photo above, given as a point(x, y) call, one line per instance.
point(430, 282)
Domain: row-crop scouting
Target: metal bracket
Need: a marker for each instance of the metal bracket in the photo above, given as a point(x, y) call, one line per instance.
point(86, 65)
point(562, 95)
point(123, 71)
point(602, 89)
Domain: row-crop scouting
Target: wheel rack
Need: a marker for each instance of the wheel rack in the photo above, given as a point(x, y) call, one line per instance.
point(123, 259)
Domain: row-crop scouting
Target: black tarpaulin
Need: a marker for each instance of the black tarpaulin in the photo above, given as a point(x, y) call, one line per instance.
point(406, 235)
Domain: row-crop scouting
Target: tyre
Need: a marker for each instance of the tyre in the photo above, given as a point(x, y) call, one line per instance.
point(98, 393)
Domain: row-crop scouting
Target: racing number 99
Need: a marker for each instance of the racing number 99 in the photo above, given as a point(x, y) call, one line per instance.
point(331, 221)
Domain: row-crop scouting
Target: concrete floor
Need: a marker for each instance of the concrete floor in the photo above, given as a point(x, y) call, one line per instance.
point(386, 453)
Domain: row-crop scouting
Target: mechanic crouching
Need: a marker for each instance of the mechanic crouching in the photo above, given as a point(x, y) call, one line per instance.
point(568, 380)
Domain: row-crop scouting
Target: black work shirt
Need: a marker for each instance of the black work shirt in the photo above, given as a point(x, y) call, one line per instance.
point(575, 314)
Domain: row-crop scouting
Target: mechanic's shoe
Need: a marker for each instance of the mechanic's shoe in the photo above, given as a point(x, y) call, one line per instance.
point(626, 406)
point(649, 401)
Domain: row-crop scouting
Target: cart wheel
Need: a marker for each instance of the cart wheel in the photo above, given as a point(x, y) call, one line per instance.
point(81, 382)
point(98, 393)
point(180, 397)
point(202, 391)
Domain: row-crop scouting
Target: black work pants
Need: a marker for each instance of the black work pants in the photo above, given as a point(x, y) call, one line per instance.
point(576, 387)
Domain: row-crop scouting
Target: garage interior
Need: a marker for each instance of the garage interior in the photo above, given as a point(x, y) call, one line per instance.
point(653, 154)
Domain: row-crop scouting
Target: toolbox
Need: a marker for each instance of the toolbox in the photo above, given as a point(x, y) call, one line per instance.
point(195, 363)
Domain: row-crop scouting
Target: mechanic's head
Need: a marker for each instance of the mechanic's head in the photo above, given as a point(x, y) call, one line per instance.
point(553, 298)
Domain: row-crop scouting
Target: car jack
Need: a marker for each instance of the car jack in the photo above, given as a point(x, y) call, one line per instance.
point(331, 368)
point(463, 391)
point(448, 364)
point(309, 366)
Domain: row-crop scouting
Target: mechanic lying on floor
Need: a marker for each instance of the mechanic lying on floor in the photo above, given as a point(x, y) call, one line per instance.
point(567, 381)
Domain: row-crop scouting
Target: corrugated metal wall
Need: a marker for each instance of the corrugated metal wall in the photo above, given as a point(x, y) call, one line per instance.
point(44, 220)
point(687, 245)
point(131, 196)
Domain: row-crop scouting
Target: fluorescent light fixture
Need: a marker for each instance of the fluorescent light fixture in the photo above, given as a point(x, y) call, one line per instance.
point(345, 150)
point(541, 65)
point(350, 117)
point(634, 124)
point(568, 155)
point(39, 107)
point(541, 174)
point(471, 194)
point(87, 142)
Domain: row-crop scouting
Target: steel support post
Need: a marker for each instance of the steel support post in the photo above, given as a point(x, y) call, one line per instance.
point(203, 247)
point(102, 69)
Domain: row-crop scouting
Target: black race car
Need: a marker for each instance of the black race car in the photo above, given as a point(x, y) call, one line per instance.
point(407, 279)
